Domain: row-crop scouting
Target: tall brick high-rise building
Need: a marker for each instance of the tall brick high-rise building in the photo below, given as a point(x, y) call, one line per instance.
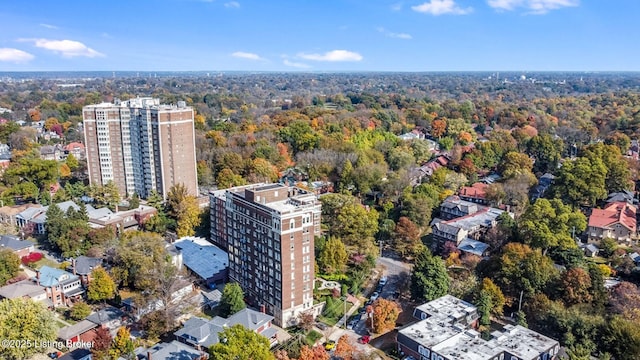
point(141, 145)
point(268, 231)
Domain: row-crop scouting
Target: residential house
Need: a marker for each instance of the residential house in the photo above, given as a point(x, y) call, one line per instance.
point(77, 354)
point(25, 289)
point(109, 318)
point(62, 288)
point(202, 333)
point(622, 196)
point(75, 148)
point(590, 250)
point(83, 266)
point(211, 299)
point(447, 330)
point(207, 261)
point(36, 218)
point(8, 214)
point(83, 330)
point(454, 207)
point(544, 182)
point(617, 221)
point(18, 246)
point(476, 193)
point(52, 152)
point(413, 135)
point(180, 290)
point(170, 351)
point(471, 227)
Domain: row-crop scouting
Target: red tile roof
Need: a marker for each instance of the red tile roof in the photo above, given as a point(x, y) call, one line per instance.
point(614, 213)
point(477, 190)
point(74, 145)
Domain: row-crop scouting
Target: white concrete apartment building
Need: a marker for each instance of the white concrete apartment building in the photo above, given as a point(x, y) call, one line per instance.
point(141, 145)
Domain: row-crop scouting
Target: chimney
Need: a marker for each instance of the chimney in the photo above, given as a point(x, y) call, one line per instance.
point(73, 265)
point(38, 277)
point(262, 308)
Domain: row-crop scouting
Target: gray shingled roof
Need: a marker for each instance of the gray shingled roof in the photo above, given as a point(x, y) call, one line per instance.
point(14, 243)
point(21, 289)
point(84, 265)
point(171, 351)
point(81, 327)
point(105, 315)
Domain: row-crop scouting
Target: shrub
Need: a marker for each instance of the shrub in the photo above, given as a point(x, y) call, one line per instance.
point(31, 258)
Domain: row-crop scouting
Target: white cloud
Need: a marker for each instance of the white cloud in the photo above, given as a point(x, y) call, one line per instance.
point(390, 34)
point(14, 55)
point(232, 4)
point(66, 48)
point(106, 35)
point(396, 6)
point(333, 56)
point(296, 64)
point(246, 55)
point(534, 6)
point(441, 7)
point(48, 26)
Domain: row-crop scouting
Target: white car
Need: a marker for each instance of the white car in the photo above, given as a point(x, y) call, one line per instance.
point(374, 296)
point(383, 281)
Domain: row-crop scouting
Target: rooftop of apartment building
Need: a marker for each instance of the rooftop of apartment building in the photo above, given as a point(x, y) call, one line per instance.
point(483, 217)
point(442, 334)
point(140, 102)
point(279, 197)
point(446, 308)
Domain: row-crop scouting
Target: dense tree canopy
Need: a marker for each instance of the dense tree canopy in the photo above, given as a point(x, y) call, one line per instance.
point(240, 343)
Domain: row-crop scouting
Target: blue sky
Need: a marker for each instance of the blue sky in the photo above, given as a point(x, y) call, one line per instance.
point(320, 35)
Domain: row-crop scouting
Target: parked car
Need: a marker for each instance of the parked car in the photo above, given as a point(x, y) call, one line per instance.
point(374, 296)
point(330, 345)
point(364, 339)
point(321, 326)
point(383, 281)
point(352, 324)
point(379, 288)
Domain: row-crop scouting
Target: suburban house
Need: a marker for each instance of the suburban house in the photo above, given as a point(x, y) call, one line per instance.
point(466, 232)
point(622, 196)
point(476, 193)
point(8, 213)
point(413, 135)
point(19, 247)
point(447, 330)
point(207, 261)
point(180, 291)
point(25, 289)
point(169, 351)
point(98, 218)
point(202, 333)
point(83, 266)
point(75, 148)
point(617, 221)
point(544, 182)
point(52, 152)
point(62, 288)
point(454, 207)
point(109, 318)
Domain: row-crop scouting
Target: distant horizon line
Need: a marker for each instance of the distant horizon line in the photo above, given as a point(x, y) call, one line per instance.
point(320, 71)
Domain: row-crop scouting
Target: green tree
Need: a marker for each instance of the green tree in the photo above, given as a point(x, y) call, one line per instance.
point(102, 287)
point(550, 223)
point(618, 174)
point(239, 343)
point(350, 221)
point(346, 177)
point(24, 319)
point(135, 259)
point(489, 289)
point(72, 162)
point(333, 257)
point(520, 268)
point(232, 299)
point(581, 181)
point(9, 265)
point(546, 151)
point(227, 178)
point(79, 311)
point(622, 338)
point(515, 163)
point(183, 208)
point(134, 203)
point(122, 345)
point(429, 279)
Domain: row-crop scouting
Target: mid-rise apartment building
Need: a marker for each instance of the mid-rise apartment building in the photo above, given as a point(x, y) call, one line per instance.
point(447, 331)
point(268, 231)
point(141, 145)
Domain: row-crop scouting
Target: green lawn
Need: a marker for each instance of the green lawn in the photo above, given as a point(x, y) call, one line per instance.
point(312, 337)
point(44, 261)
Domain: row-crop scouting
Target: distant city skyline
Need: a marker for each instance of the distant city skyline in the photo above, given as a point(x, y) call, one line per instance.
point(341, 35)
